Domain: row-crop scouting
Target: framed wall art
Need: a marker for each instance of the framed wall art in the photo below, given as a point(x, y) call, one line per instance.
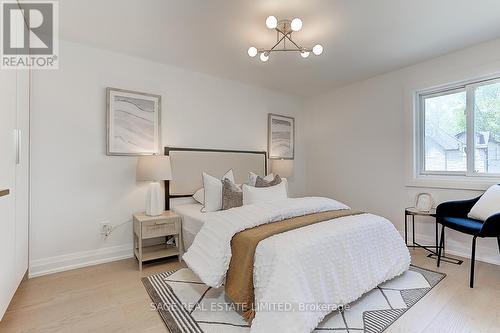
point(133, 123)
point(281, 137)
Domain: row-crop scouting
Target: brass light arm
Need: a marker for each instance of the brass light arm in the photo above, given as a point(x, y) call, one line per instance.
point(298, 47)
point(274, 46)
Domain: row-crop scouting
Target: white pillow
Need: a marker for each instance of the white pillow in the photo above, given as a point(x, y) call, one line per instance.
point(199, 195)
point(252, 178)
point(253, 195)
point(487, 205)
point(213, 191)
point(284, 180)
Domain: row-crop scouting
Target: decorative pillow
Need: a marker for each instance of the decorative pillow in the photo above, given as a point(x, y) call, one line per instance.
point(213, 191)
point(252, 178)
point(253, 195)
point(232, 195)
point(487, 205)
point(199, 195)
point(283, 180)
point(261, 182)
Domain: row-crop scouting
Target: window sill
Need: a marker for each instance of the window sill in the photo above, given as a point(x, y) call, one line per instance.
point(453, 182)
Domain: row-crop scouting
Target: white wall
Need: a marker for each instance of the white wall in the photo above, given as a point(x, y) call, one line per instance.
point(357, 139)
point(75, 185)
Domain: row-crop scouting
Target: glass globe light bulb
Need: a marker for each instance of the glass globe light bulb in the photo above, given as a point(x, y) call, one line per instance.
point(296, 24)
point(264, 57)
point(252, 51)
point(317, 49)
point(271, 22)
point(304, 54)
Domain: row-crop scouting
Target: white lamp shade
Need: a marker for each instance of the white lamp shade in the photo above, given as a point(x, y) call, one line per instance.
point(283, 168)
point(252, 51)
point(318, 49)
point(271, 22)
point(154, 168)
point(296, 24)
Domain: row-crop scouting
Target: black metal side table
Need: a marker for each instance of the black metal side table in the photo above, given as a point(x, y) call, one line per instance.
point(412, 211)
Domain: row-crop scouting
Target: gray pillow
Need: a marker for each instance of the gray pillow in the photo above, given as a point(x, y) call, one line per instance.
point(232, 195)
point(261, 182)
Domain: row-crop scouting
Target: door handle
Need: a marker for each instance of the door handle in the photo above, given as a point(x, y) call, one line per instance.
point(4, 192)
point(18, 146)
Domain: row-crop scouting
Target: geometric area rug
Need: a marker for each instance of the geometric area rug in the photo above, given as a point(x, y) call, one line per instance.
point(187, 305)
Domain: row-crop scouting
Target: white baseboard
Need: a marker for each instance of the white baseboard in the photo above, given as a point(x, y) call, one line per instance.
point(453, 247)
point(67, 262)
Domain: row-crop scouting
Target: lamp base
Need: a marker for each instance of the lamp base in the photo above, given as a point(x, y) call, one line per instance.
point(154, 205)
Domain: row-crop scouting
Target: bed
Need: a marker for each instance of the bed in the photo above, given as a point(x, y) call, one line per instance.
point(192, 218)
point(332, 259)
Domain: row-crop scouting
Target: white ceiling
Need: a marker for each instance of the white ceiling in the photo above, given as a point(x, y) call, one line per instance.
point(362, 38)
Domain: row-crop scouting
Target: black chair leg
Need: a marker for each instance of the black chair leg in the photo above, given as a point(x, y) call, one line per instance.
point(472, 261)
point(441, 245)
point(498, 240)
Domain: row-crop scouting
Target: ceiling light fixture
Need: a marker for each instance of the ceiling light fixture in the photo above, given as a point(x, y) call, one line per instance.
point(264, 56)
point(296, 24)
point(271, 22)
point(284, 29)
point(252, 51)
point(317, 49)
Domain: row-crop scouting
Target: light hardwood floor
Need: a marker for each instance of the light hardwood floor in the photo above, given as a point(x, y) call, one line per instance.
point(111, 298)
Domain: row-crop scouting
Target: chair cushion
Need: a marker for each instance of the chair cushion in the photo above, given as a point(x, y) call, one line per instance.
point(468, 226)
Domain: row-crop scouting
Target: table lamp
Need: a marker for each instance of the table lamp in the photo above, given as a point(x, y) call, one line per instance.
point(154, 168)
point(283, 168)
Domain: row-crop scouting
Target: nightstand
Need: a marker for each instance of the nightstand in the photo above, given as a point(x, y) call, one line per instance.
point(412, 211)
point(147, 227)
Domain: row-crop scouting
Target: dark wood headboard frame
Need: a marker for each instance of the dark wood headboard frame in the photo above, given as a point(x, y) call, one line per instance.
point(169, 149)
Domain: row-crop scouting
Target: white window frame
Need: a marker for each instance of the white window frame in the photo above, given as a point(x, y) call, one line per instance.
point(471, 124)
point(419, 127)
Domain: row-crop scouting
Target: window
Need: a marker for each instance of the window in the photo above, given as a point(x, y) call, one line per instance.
point(459, 130)
point(487, 128)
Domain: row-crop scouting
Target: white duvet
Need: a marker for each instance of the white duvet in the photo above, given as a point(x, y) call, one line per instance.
point(300, 275)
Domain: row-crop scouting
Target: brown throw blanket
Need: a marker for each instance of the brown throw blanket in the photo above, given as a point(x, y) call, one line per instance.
point(239, 278)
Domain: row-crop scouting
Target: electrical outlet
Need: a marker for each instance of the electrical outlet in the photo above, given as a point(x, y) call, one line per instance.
point(106, 228)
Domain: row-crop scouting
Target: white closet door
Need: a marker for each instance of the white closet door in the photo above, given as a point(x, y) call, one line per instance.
point(22, 173)
point(14, 176)
point(7, 181)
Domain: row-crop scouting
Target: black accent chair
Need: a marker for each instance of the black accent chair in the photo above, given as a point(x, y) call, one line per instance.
point(453, 214)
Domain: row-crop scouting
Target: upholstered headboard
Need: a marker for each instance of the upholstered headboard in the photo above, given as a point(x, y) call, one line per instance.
point(188, 164)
